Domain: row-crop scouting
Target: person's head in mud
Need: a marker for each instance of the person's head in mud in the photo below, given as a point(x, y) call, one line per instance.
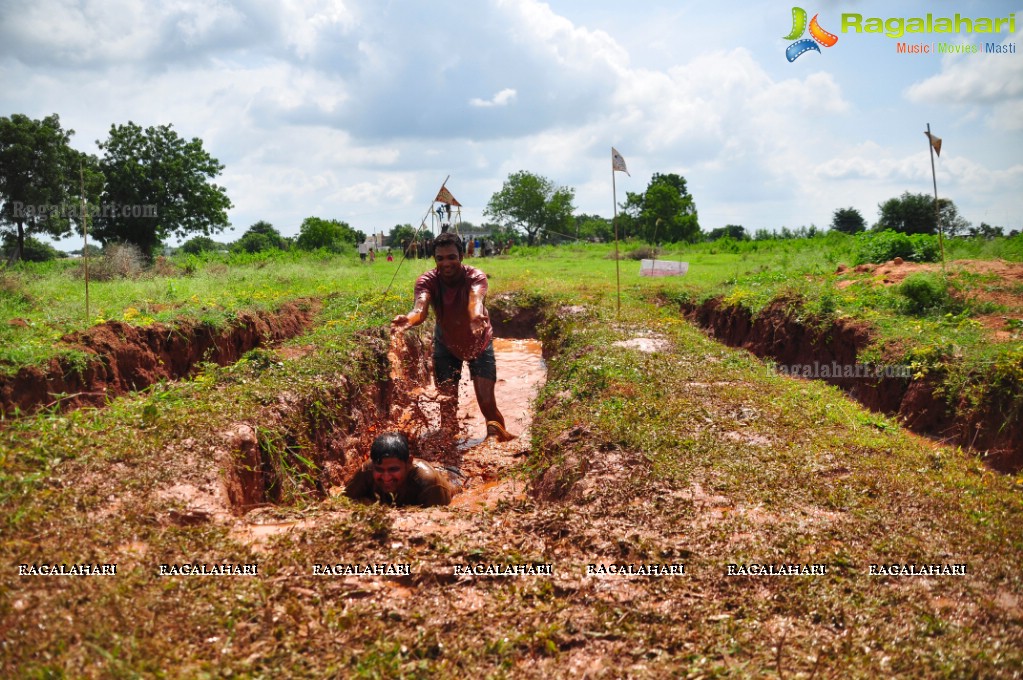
point(394, 475)
point(447, 253)
point(392, 461)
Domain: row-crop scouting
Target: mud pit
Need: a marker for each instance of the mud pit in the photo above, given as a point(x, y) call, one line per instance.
point(415, 409)
point(520, 372)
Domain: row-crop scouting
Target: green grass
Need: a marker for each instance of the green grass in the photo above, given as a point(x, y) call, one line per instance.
point(696, 453)
point(945, 340)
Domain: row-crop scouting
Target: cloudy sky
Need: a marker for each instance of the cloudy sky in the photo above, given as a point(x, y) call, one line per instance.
point(358, 109)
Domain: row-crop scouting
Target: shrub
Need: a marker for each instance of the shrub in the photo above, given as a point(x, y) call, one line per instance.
point(12, 287)
point(925, 248)
point(164, 267)
point(886, 245)
point(642, 253)
point(925, 293)
point(119, 261)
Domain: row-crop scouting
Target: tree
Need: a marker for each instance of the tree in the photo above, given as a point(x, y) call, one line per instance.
point(400, 235)
point(332, 235)
point(532, 203)
point(733, 231)
point(593, 228)
point(35, 179)
point(157, 185)
point(666, 212)
point(259, 237)
point(848, 221)
point(32, 249)
point(986, 231)
point(199, 244)
point(914, 214)
point(92, 248)
point(951, 222)
point(502, 235)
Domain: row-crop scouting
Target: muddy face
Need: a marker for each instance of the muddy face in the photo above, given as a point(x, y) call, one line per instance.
point(449, 264)
point(389, 474)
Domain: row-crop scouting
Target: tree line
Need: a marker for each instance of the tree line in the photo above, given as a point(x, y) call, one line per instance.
point(666, 213)
point(150, 184)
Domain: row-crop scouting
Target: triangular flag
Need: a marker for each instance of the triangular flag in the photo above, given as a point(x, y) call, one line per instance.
point(935, 142)
point(617, 162)
point(444, 196)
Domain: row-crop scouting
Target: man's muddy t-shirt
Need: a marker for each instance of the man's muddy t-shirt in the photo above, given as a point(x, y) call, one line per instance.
point(424, 486)
point(451, 306)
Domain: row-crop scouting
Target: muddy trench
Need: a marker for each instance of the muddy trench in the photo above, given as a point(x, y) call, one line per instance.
point(918, 403)
point(116, 358)
point(310, 447)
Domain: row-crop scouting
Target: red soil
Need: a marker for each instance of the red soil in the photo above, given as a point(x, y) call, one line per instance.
point(122, 358)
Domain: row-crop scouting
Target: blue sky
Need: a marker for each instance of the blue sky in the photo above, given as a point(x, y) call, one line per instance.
point(358, 109)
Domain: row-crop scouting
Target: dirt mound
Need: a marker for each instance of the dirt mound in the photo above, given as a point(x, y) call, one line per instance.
point(895, 271)
point(1001, 282)
point(114, 358)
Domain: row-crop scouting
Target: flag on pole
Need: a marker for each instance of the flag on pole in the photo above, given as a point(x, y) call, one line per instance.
point(935, 142)
point(617, 162)
point(444, 196)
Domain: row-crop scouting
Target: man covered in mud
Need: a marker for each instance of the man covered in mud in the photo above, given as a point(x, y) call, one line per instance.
point(394, 476)
point(463, 333)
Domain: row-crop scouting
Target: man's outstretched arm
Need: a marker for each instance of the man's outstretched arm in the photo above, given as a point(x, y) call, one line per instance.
point(417, 316)
point(477, 312)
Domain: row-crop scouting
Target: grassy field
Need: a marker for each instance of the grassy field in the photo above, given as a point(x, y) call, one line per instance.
point(693, 453)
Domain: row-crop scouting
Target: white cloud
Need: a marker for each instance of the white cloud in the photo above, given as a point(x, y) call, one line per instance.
point(502, 98)
point(992, 83)
point(357, 109)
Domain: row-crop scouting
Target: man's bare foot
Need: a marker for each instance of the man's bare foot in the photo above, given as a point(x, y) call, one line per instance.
point(495, 429)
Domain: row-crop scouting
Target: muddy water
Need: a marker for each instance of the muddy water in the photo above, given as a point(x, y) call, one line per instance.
point(520, 372)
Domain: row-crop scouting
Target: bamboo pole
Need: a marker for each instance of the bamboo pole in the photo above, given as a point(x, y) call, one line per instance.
point(85, 236)
point(937, 213)
point(618, 273)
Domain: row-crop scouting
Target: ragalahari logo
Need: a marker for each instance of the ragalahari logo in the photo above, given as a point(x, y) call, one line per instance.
point(819, 35)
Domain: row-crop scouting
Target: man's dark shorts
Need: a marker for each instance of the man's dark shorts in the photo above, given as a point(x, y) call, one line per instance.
point(446, 366)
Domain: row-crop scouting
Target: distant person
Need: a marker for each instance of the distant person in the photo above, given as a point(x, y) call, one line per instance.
point(390, 257)
point(462, 333)
point(471, 248)
point(372, 256)
point(394, 476)
point(363, 250)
